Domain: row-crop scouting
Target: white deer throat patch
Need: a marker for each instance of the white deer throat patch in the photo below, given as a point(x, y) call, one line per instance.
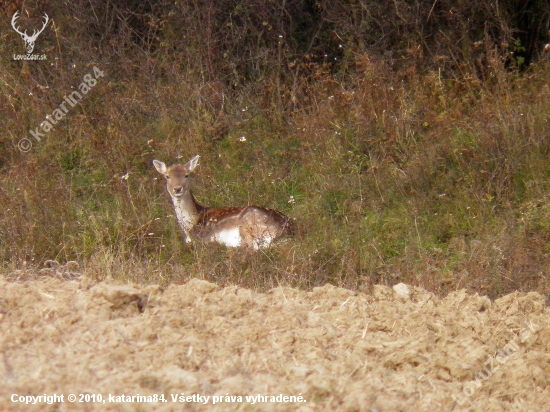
point(187, 217)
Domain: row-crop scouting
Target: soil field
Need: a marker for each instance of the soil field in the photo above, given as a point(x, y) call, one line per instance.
point(200, 347)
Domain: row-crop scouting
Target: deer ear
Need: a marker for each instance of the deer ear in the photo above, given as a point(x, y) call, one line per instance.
point(191, 164)
point(160, 166)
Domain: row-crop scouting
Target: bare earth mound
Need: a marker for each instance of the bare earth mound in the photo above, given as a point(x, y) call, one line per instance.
point(399, 349)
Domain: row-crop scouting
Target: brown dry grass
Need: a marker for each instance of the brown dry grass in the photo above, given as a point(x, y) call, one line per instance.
point(420, 158)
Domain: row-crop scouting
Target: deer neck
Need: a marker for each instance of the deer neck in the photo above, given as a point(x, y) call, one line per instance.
point(187, 211)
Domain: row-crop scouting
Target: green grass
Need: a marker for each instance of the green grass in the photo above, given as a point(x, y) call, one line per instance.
point(389, 178)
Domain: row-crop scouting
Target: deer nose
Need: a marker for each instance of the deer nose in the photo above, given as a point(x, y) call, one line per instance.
point(178, 190)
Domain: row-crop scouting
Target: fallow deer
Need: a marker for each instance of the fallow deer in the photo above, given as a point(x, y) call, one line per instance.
point(250, 227)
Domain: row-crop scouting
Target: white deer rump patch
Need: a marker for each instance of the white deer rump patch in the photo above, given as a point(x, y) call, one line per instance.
point(262, 242)
point(229, 237)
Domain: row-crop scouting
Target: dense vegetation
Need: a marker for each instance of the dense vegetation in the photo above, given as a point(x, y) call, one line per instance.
point(410, 140)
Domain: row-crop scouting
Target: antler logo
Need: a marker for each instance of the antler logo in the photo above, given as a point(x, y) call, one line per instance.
point(29, 40)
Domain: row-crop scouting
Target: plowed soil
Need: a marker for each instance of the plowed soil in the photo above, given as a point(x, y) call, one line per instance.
point(400, 349)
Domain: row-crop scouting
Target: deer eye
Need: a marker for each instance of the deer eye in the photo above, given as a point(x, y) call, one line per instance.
point(167, 177)
point(187, 175)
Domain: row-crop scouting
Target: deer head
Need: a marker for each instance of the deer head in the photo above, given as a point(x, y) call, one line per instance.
point(177, 176)
point(29, 40)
